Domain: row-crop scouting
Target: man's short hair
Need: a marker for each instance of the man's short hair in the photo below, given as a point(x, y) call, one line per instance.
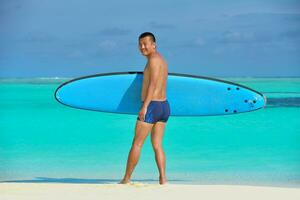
point(145, 34)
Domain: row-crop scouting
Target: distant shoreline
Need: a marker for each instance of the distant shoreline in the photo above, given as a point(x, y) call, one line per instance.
point(222, 77)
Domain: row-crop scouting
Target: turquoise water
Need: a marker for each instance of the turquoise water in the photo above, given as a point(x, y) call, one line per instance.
point(44, 141)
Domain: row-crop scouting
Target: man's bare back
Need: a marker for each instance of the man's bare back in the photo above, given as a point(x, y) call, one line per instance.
point(159, 93)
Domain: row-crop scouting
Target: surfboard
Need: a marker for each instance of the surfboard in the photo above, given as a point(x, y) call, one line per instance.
point(188, 95)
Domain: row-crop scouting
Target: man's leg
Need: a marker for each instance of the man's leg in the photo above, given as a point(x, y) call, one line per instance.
point(141, 131)
point(156, 140)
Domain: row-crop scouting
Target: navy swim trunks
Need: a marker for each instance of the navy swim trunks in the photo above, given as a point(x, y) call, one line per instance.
point(157, 111)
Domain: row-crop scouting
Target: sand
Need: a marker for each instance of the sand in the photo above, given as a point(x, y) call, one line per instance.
point(141, 191)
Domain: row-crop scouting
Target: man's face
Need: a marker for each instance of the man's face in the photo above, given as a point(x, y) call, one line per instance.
point(146, 45)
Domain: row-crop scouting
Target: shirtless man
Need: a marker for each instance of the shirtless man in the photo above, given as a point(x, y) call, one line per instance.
point(154, 111)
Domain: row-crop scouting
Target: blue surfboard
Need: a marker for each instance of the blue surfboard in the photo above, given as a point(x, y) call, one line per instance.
point(188, 95)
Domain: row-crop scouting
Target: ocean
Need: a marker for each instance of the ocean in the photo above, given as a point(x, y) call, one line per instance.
point(42, 140)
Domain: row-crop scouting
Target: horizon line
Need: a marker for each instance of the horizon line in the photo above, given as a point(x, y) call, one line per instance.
point(72, 77)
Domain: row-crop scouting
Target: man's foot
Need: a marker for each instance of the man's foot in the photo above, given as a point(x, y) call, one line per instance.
point(162, 180)
point(124, 181)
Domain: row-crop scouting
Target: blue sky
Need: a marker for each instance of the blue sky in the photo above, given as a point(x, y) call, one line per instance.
point(52, 38)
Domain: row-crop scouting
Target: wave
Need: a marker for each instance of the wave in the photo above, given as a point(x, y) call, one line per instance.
point(39, 80)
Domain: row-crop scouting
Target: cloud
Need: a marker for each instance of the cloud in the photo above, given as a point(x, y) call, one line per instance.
point(238, 37)
point(264, 20)
point(196, 42)
point(75, 54)
point(161, 26)
point(107, 45)
point(259, 28)
point(38, 37)
point(7, 7)
point(199, 41)
point(114, 32)
point(292, 34)
point(261, 37)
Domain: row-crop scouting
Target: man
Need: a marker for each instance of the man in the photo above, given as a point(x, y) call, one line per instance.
point(154, 111)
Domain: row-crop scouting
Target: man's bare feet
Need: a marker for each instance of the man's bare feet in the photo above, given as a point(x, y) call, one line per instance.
point(124, 181)
point(162, 180)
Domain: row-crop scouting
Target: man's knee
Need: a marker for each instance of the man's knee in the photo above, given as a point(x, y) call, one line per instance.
point(137, 145)
point(157, 147)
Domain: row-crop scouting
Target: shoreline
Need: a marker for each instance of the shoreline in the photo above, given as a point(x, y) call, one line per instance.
point(138, 190)
point(149, 182)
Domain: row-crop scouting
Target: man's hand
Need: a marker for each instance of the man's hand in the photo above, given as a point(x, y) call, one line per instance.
point(142, 113)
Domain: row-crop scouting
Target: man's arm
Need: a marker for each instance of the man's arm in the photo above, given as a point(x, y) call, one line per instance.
point(154, 73)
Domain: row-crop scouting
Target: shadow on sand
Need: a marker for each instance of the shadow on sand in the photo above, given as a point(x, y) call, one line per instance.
point(80, 180)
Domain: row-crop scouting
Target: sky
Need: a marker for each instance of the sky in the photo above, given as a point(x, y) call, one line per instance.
point(71, 38)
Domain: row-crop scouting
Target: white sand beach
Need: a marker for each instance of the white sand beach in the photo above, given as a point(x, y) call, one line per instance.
point(141, 191)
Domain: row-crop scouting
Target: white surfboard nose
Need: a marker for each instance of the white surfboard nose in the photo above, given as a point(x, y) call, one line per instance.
point(265, 100)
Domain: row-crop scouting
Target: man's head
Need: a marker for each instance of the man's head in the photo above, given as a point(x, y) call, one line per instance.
point(147, 43)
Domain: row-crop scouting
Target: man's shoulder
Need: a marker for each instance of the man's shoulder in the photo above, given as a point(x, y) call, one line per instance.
point(156, 58)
